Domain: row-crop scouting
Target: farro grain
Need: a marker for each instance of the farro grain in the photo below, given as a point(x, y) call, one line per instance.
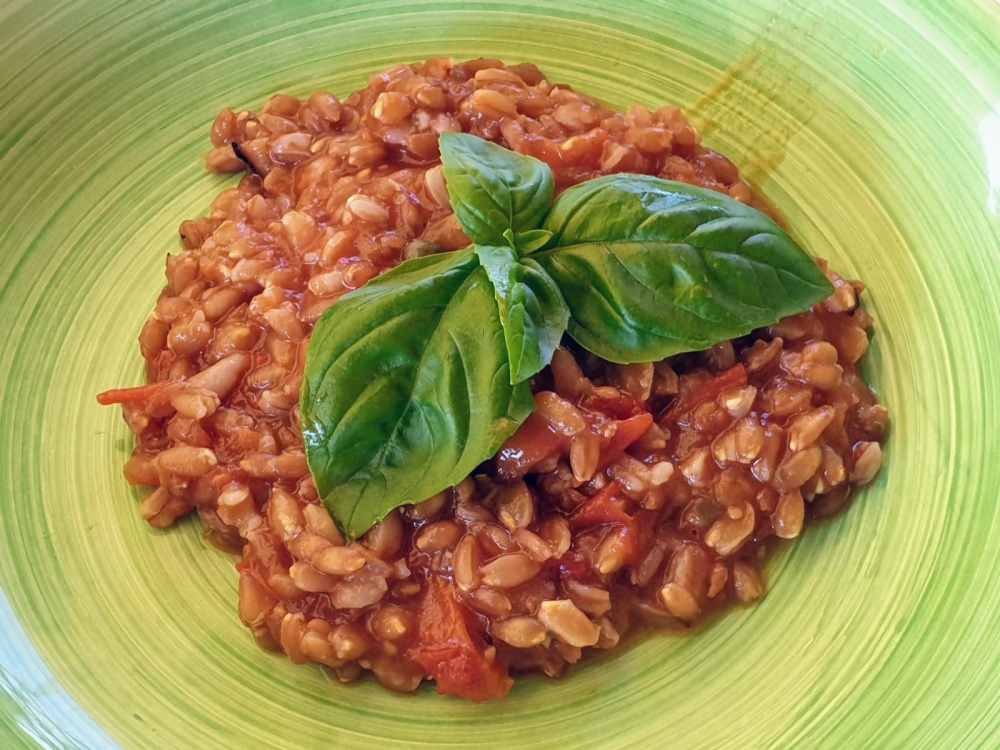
point(568, 623)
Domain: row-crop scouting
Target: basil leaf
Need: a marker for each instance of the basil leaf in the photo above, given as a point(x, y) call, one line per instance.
point(650, 268)
point(529, 242)
point(532, 310)
point(493, 189)
point(407, 388)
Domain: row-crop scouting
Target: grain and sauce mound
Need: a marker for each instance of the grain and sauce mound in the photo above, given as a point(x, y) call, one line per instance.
point(635, 496)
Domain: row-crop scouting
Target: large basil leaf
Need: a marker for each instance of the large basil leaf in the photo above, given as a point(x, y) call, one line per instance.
point(494, 190)
point(532, 310)
point(407, 388)
point(650, 268)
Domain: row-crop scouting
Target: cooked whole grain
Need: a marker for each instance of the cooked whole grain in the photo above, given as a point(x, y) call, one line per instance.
point(664, 483)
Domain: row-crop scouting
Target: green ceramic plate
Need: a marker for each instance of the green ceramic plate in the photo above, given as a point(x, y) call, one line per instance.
point(874, 125)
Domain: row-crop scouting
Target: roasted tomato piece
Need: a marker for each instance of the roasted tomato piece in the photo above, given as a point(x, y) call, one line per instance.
point(621, 407)
point(451, 654)
point(734, 377)
point(533, 442)
point(138, 395)
point(605, 509)
point(602, 508)
point(627, 432)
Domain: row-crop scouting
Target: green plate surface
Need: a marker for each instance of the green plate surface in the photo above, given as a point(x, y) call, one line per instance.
point(874, 125)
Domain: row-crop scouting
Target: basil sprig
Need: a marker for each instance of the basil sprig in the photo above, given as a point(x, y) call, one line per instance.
point(419, 376)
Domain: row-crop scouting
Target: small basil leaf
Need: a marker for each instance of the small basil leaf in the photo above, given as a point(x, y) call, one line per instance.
point(493, 189)
point(407, 388)
point(529, 242)
point(532, 311)
point(650, 268)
